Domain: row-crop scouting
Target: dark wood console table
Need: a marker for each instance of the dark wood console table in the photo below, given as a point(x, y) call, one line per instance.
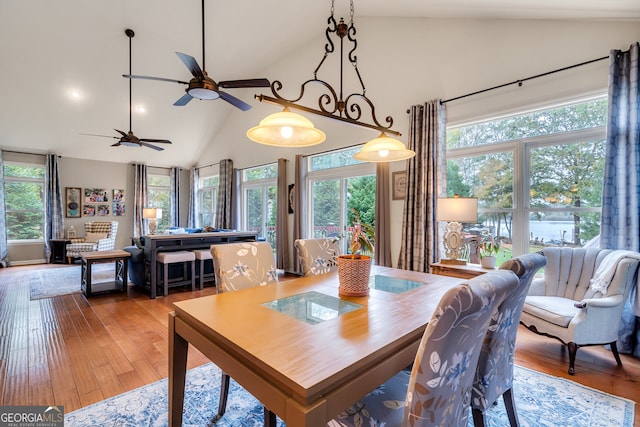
point(185, 242)
point(100, 257)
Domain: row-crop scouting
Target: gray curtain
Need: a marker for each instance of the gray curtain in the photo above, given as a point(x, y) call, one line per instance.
point(620, 228)
point(4, 255)
point(300, 200)
point(174, 197)
point(140, 199)
point(419, 237)
point(383, 216)
point(224, 212)
point(194, 177)
point(53, 212)
point(282, 218)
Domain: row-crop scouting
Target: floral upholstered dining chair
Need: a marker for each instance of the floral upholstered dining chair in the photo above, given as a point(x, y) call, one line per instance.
point(438, 390)
point(317, 256)
point(494, 375)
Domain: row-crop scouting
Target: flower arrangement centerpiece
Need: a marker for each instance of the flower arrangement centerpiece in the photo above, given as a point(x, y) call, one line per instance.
point(354, 268)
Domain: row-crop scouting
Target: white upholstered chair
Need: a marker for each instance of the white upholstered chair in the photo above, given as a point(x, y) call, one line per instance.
point(437, 391)
point(566, 305)
point(240, 266)
point(317, 256)
point(99, 236)
point(494, 374)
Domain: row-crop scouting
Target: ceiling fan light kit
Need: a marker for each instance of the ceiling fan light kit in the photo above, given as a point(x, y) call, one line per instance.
point(332, 104)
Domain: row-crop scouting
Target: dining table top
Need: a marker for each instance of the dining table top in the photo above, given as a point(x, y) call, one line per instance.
point(304, 341)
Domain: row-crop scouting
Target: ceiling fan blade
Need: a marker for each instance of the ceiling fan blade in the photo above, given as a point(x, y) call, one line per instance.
point(124, 134)
point(191, 64)
point(102, 136)
point(234, 101)
point(245, 83)
point(162, 79)
point(150, 145)
point(117, 144)
point(184, 100)
point(156, 141)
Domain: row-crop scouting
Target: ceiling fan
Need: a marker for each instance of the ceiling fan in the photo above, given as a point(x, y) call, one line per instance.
point(128, 138)
point(202, 86)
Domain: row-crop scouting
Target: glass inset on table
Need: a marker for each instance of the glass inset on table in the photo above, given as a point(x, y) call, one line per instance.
point(312, 307)
point(392, 284)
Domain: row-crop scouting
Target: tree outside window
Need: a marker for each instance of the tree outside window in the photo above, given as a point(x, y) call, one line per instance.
point(24, 201)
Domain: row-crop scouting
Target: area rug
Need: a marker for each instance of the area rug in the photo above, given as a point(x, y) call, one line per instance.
point(51, 282)
point(541, 400)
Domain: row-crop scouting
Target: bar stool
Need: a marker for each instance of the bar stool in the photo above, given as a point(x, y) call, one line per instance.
point(203, 255)
point(166, 258)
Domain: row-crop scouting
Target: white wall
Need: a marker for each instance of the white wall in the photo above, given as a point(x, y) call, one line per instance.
point(405, 62)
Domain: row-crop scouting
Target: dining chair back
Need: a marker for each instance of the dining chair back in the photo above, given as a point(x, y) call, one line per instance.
point(438, 389)
point(243, 265)
point(317, 256)
point(494, 374)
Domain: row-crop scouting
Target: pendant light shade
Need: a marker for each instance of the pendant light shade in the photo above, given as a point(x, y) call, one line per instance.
point(384, 149)
point(286, 129)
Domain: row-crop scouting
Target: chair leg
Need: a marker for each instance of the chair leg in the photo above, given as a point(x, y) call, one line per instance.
point(478, 417)
point(614, 350)
point(165, 281)
point(510, 406)
point(224, 393)
point(573, 349)
point(193, 275)
point(269, 418)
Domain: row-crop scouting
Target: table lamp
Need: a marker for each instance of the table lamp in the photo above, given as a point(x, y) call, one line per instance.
point(152, 214)
point(455, 210)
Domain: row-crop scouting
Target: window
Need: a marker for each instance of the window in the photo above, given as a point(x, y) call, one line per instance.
point(159, 188)
point(538, 176)
point(260, 202)
point(24, 199)
point(207, 200)
point(337, 182)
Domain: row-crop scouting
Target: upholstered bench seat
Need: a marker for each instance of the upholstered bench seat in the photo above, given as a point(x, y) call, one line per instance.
point(205, 259)
point(184, 257)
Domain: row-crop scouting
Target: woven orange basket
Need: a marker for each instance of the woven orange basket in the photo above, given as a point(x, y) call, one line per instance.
point(353, 275)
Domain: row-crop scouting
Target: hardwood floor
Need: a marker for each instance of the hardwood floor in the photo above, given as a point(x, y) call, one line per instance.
point(74, 351)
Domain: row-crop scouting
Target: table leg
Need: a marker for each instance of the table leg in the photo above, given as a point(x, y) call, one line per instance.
point(178, 348)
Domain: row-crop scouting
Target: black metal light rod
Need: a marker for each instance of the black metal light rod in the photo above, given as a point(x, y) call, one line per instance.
point(291, 105)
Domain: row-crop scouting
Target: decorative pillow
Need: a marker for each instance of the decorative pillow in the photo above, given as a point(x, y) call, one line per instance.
point(94, 237)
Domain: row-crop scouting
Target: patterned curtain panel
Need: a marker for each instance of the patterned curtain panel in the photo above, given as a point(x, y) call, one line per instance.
point(383, 215)
point(282, 226)
point(620, 228)
point(140, 199)
point(193, 198)
point(224, 214)
point(4, 256)
point(427, 133)
point(174, 197)
point(53, 216)
point(300, 200)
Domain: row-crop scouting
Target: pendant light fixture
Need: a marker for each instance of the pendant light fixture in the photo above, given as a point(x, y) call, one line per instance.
point(288, 129)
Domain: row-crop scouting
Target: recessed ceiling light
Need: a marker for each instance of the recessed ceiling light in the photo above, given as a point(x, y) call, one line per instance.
point(75, 94)
point(140, 109)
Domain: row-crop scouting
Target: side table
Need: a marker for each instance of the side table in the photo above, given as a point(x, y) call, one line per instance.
point(118, 257)
point(59, 251)
point(462, 271)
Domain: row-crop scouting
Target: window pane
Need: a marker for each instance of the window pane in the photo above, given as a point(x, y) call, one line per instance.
point(159, 198)
point(159, 180)
point(562, 228)
point(24, 201)
point(585, 115)
point(334, 159)
point(326, 208)
point(260, 172)
point(489, 177)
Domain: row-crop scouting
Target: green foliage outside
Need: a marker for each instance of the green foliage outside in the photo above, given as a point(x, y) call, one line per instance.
point(24, 201)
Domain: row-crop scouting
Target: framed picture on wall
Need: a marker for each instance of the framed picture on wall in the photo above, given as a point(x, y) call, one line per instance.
point(72, 202)
point(95, 195)
point(89, 210)
point(102, 210)
point(118, 195)
point(118, 209)
point(399, 182)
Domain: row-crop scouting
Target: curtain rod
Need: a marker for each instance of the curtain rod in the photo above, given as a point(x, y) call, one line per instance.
point(24, 152)
point(520, 81)
point(207, 166)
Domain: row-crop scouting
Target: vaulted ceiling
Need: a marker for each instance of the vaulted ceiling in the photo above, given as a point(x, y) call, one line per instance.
point(51, 48)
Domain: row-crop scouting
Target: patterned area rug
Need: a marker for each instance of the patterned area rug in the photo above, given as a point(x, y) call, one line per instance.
point(541, 401)
point(51, 282)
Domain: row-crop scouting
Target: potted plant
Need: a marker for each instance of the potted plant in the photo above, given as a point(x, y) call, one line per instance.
point(488, 249)
point(354, 268)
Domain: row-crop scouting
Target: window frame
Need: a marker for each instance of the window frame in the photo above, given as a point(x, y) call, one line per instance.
point(41, 181)
point(166, 209)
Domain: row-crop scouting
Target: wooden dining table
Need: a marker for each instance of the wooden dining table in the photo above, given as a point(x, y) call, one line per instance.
point(301, 349)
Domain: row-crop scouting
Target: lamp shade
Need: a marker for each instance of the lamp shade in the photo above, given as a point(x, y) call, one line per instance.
point(286, 129)
point(457, 209)
point(151, 213)
point(384, 149)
